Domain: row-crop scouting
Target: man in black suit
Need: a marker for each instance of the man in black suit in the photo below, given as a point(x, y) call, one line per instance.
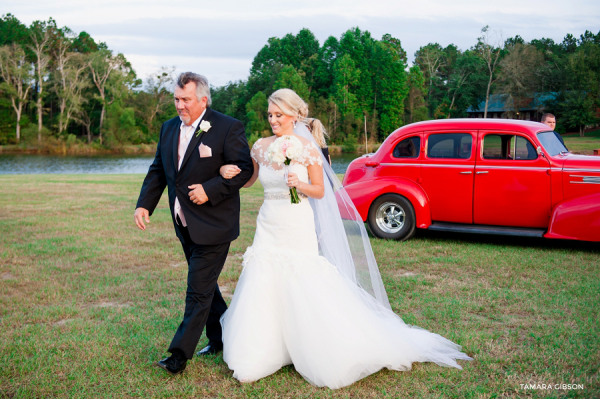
point(205, 207)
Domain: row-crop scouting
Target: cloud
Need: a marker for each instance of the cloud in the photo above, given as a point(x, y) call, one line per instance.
point(220, 39)
point(120, 11)
point(218, 70)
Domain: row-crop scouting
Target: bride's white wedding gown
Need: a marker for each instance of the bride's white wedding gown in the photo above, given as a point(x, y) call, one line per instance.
point(291, 306)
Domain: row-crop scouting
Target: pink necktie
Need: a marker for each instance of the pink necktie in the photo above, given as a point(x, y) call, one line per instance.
point(184, 140)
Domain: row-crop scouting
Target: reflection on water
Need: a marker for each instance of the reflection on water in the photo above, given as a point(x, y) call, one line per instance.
point(26, 164)
point(340, 162)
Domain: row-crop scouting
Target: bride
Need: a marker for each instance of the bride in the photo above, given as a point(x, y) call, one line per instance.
point(310, 293)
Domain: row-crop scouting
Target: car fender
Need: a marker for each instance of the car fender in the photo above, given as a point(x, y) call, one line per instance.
point(364, 193)
point(576, 219)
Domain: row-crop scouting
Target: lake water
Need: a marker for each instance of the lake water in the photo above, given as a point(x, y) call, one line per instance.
point(29, 164)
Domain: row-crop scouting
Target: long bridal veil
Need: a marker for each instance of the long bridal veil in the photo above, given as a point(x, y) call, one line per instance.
point(341, 233)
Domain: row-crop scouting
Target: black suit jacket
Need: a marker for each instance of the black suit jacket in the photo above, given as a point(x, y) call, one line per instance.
point(218, 220)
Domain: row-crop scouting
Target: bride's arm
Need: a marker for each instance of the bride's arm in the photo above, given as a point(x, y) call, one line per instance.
point(254, 175)
point(314, 189)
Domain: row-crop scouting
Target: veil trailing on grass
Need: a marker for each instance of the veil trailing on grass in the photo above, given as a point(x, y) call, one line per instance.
point(341, 233)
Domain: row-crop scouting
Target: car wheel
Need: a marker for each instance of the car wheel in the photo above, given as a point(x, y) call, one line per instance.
point(392, 216)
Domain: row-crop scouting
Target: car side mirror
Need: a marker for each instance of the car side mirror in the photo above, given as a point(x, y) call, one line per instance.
point(540, 152)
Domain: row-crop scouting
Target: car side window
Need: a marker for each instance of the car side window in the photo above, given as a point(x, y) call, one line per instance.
point(408, 148)
point(495, 146)
point(449, 145)
point(507, 146)
point(524, 149)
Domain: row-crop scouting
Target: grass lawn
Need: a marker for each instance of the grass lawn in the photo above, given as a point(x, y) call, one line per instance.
point(88, 303)
point(583, 145)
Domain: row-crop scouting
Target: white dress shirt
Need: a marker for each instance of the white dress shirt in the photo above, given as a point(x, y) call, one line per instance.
point(185, 136)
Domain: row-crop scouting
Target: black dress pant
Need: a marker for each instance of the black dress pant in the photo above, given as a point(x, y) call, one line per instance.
point(204, 304)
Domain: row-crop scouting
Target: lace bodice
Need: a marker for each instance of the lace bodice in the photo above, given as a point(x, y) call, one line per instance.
point(272, 175)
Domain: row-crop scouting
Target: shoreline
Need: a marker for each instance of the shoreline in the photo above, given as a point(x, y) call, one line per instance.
point(79, 149)
point(129, 149)
point(150, 149)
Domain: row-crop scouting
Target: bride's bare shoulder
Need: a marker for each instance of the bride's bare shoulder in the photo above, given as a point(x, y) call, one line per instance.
point(263, 142)
point(309, 145)
point(268, 140)
point(305, 142)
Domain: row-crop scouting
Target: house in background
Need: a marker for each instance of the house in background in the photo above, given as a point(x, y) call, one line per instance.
point(503, 106)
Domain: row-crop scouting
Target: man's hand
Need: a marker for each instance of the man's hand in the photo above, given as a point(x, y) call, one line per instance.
point(139, 216)
point(197, 195)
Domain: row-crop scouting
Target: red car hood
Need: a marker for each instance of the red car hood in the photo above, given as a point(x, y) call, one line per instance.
point(582, 162)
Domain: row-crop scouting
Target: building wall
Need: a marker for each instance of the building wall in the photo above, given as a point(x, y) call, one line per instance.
point(532, 115)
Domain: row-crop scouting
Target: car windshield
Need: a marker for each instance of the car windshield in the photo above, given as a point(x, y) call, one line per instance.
point(551, 143)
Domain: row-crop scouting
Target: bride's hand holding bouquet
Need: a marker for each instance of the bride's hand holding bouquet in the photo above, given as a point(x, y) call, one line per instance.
point(284, 150)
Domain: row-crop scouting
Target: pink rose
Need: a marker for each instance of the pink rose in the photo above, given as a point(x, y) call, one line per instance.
point(285, 145)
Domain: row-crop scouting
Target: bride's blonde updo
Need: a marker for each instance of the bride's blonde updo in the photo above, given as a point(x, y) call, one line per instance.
point(291, 104)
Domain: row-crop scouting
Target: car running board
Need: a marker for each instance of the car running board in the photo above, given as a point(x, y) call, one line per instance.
point(484, 229)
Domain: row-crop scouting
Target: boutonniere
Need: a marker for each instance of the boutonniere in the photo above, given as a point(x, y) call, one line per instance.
point(204, 127)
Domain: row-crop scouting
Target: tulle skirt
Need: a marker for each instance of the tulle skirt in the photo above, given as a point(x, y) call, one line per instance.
point(291, 306)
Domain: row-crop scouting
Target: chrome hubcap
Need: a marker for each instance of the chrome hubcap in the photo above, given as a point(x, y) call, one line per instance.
point(390, 217)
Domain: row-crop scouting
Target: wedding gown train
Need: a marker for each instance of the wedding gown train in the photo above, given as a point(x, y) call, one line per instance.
point(291, 306)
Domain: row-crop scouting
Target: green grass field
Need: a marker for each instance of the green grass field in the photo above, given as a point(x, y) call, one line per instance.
point(583, 145)
point(88, 303)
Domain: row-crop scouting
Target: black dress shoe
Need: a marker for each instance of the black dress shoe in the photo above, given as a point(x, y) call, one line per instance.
point(210, 349)
point(173, 364)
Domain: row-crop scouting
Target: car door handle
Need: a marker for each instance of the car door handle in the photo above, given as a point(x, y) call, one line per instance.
point(466, 173)
point(481, 171)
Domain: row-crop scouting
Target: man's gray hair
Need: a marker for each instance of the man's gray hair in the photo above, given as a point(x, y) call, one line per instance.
point(202, 87)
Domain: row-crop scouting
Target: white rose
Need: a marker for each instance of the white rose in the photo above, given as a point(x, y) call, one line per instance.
point(274, 153)
point(294, 151)
point(205, 126)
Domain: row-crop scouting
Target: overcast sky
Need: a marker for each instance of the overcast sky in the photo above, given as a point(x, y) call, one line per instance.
point(220, 38)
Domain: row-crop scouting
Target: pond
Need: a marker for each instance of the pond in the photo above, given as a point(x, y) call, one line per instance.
point(29, 164)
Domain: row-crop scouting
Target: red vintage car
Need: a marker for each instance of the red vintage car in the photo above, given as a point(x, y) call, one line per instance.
point(490, 176)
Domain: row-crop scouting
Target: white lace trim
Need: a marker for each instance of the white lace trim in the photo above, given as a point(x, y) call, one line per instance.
point(311, 155)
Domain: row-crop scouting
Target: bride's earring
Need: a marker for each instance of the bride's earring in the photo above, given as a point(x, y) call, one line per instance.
point(294, 123)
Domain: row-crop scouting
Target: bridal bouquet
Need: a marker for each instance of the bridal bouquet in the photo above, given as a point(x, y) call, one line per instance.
point(284, 150)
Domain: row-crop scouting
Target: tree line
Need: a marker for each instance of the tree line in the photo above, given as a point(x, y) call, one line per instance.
point(352, 84)
point(359, 86)
point(567, 72)
point(59, 86)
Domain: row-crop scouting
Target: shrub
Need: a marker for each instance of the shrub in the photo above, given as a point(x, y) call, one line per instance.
point(253, 139)
point(350, 144)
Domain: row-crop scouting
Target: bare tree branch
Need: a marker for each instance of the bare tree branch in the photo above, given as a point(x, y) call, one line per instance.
point(40, 36)
point(16, 73)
